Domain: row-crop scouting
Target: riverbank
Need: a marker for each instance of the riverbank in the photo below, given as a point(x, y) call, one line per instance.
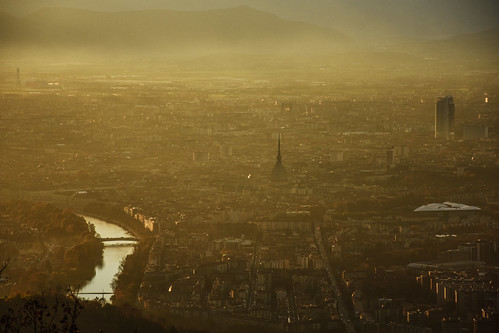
point(129, 277)
point(47, 248)
point(110, 212)
point(114, 214)
point(115, 253)
point(130, 271)
point(127, 283)
point(118, 223)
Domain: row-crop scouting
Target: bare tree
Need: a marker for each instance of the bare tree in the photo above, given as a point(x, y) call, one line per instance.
point(13, 320)
point(35, 311)
point(72, 308)
point(2, 268)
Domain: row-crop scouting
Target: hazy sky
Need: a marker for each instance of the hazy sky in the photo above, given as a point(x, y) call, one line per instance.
point(418, 18)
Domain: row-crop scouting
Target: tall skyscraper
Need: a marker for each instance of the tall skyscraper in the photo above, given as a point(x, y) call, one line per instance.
point(278, 174)
point(444, 117)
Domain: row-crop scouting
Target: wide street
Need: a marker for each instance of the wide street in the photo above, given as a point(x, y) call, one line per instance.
point(334, 284)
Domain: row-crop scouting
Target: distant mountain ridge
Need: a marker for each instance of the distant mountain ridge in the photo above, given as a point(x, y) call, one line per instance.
point(367, 20)
point(165, 30)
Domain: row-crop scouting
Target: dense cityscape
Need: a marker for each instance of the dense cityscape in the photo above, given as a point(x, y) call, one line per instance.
point(343, 192)
point(333, 241)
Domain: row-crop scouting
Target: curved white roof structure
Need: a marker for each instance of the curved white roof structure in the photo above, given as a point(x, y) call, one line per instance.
point(445, 207)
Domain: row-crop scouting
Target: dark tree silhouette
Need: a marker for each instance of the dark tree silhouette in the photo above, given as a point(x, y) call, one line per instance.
point(4, 266)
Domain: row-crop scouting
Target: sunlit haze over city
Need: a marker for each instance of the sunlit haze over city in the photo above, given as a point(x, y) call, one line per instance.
point(249, 166)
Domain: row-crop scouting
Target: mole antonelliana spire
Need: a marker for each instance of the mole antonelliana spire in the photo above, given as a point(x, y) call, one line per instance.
point(278, 174)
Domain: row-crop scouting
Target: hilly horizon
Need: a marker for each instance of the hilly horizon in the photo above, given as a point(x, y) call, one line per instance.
point(369, 21)
point(238, 29)
point(76, 34)
point(483, 45)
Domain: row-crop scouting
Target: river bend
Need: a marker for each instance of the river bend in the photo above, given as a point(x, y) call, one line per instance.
point(112, 257)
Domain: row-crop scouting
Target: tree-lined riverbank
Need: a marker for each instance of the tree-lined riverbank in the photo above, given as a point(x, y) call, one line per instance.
point(48, 248)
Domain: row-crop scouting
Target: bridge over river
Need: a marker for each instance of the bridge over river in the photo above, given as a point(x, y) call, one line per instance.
point(113, 239)
point(97, 293)
point(118, 244)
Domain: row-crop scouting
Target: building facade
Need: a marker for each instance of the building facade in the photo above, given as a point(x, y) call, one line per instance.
point(444, 117)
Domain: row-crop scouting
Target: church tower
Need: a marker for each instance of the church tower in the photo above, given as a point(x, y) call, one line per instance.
point(279, 175)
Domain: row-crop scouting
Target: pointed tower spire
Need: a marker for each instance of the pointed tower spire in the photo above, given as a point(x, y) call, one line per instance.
point(278, 174)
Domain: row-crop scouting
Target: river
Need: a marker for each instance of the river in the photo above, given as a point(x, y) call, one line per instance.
point(112, 257)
